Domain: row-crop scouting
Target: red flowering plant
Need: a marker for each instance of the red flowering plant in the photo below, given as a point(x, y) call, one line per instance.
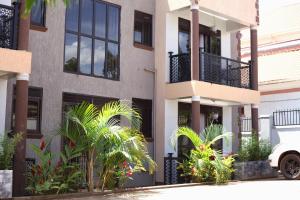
point(204, 163)
point(49, 176)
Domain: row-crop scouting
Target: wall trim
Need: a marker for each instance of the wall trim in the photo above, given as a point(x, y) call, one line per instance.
point(290, 90)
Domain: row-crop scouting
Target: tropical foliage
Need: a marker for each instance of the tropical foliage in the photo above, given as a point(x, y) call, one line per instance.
point(48, 178)
point(7, 150)
point(253, 149)
point(105, 143)
point(204, 164)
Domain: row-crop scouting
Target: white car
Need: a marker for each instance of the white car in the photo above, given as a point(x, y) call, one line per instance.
point(286, 158)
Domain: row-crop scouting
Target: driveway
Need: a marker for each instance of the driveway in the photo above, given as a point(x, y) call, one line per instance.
point(270, 189)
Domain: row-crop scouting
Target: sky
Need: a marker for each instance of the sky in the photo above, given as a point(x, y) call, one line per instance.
point(270, 4)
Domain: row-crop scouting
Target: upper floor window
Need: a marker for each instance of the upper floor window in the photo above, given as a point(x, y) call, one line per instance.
point(38, 11)
point(34, 111)
point(92, 39)
point(143, 28)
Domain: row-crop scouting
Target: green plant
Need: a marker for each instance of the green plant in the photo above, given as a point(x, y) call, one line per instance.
point(204, 164)
point(253, 149)
point(47, 178)
point(7, 150)
point(104, 141)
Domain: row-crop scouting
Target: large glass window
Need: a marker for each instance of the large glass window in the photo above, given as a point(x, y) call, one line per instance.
point(37, 15)
point(34, 111)
point(92, 39)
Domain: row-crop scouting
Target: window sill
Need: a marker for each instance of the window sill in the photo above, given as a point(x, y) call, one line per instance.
point(38, 28)
point(142, 46)
point(34, 135)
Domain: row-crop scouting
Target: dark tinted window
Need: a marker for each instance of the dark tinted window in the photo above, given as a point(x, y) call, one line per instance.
point(34, 110)
point(144, 107)
point(143, 28)
point(98, 33)
point(37, 14)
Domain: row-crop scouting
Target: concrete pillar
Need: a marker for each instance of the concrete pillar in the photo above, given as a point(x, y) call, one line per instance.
point(266, 127)
point(171, 124)
point(20, 127)
point(227, 129)
point(254, 119)
point(196, 114)
point(254, 76)
point(3, 94)
point(195, 72)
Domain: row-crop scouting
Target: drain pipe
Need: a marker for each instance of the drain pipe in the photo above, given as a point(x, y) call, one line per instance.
point(153, 71)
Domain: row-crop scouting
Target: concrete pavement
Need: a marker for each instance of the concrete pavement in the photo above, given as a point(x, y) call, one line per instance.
point(268, 189)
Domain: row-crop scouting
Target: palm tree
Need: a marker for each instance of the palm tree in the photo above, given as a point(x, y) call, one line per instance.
point(209, 136)
point(99, 133)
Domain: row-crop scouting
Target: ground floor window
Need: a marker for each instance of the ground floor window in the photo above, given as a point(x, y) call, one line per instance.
point(144, 107)
point(34, 111)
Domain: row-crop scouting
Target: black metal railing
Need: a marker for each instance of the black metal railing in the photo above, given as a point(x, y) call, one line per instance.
point(286, 117)
point(214, 69)
point(9, 17)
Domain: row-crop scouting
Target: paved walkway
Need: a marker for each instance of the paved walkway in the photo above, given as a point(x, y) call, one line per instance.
point(254, 190)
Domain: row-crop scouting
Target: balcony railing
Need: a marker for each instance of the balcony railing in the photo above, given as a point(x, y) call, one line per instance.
point(214, 69)
point(9, 17)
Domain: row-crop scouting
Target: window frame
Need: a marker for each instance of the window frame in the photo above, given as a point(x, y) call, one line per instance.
point(78, 34)
point(142, 44)
point(32, 134)
point(136, 102)
point(37, 26)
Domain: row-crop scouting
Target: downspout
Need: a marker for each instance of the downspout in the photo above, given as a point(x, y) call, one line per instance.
point(153, 71)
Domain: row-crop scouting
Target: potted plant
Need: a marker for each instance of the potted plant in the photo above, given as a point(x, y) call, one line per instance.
point(252, 159)
point(7, 150)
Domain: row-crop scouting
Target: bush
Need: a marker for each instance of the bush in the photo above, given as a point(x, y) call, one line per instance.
point(48, 178)
point(253, 149)
point(7, 150)
point(204, 164)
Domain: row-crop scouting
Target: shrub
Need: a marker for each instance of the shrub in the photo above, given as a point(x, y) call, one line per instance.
point(48, 178)
point(253, 149)
point(204, 164)
point(7, 150)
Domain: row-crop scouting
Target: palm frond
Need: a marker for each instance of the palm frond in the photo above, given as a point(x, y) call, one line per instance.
point(187, 132)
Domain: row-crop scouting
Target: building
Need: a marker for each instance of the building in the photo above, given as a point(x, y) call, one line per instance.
point(279, 71)
point(178, 61)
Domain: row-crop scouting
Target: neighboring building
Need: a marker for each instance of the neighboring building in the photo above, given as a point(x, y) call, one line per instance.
point(99, 51)
point(279, 71)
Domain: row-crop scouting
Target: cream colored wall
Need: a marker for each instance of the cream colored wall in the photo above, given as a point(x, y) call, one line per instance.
point(243, 12)
point(15, 61)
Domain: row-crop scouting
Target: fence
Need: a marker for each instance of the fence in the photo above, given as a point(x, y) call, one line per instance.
point(286, 117)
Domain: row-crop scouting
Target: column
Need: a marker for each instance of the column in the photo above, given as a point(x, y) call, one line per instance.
point(254, 76)
point(3, 94)
point(195, 72)
point(196, 114)
point(171, 124)
point(227, 129)
point(20, 127)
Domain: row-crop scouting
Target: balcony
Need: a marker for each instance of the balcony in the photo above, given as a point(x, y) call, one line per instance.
point(9, 16)
point(214, 69)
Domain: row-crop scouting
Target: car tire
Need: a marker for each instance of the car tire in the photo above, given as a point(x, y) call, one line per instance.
point(290, 166)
